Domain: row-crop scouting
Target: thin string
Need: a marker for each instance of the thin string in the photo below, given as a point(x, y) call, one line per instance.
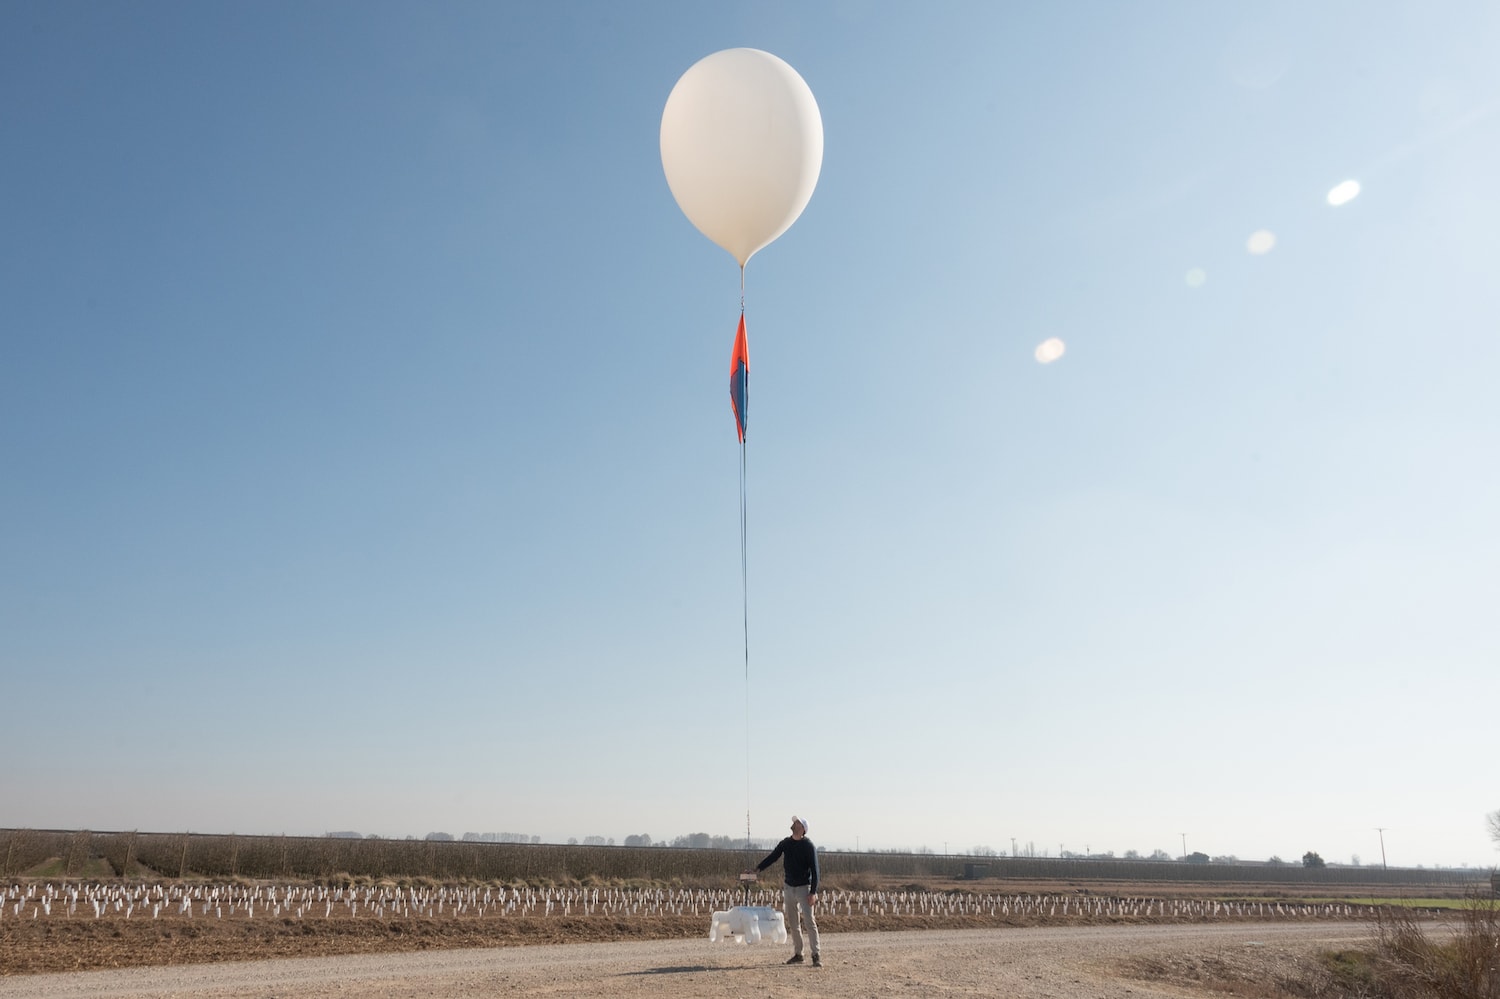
point(745, 586)
point(745, 592)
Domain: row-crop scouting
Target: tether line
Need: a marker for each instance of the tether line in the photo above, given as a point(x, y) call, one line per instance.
point(745, 609)
point(745, 566)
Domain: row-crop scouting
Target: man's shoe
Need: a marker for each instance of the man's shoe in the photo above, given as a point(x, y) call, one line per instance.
point(817, 961)
point(796, 959)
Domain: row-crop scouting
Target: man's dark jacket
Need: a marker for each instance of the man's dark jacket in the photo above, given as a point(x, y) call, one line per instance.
point(800, 863)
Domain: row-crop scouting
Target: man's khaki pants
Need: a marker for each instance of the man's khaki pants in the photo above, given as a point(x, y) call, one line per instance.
point(794, 904)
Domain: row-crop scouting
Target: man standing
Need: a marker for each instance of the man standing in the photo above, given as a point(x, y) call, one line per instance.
point(800, 864)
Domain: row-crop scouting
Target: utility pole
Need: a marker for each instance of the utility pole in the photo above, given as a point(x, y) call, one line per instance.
point(1012, 846)
point(1184, 846)
point(1381, 830)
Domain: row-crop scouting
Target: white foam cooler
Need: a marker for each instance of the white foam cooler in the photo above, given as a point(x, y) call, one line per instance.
point(748, 924)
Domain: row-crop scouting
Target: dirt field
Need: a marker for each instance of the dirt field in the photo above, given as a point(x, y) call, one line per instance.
point(82, 927)
point(1078, 962)
point(1028, 940)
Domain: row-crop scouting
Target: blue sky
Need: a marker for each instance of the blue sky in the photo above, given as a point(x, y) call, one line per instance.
point(368, 462)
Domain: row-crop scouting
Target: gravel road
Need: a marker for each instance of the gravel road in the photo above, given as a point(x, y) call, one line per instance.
point(1082, 962)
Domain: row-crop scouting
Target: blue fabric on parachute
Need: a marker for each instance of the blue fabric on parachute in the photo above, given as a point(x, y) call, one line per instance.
point(739, 379)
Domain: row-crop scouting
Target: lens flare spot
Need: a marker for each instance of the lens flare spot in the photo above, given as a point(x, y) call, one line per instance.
point(1050, 350)
point(1261, 242)
point(1196, 278)
point(1343, 193)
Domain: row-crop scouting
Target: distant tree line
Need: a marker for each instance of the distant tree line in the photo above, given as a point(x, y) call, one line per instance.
point(703, 841)
point(692, 859)
point(690, 841)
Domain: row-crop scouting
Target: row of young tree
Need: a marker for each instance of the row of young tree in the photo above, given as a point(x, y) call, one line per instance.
point(1309, 859)
point(705, 841)
point(691, 841)
point(79, 854)
point(442, 837)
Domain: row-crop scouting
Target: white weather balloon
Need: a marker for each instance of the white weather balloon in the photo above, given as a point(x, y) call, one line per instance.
point(742, 146)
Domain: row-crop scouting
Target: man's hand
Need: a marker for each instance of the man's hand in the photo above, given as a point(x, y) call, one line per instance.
point(812, 898)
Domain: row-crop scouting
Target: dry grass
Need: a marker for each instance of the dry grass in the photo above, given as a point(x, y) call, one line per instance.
point(1462, 965)
point(1253, 973)
point(1405, 961)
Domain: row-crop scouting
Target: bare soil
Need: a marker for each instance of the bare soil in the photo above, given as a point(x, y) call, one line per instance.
point(83, 944)
point(77, 940)
point(1079, 962)
point(873, 953)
